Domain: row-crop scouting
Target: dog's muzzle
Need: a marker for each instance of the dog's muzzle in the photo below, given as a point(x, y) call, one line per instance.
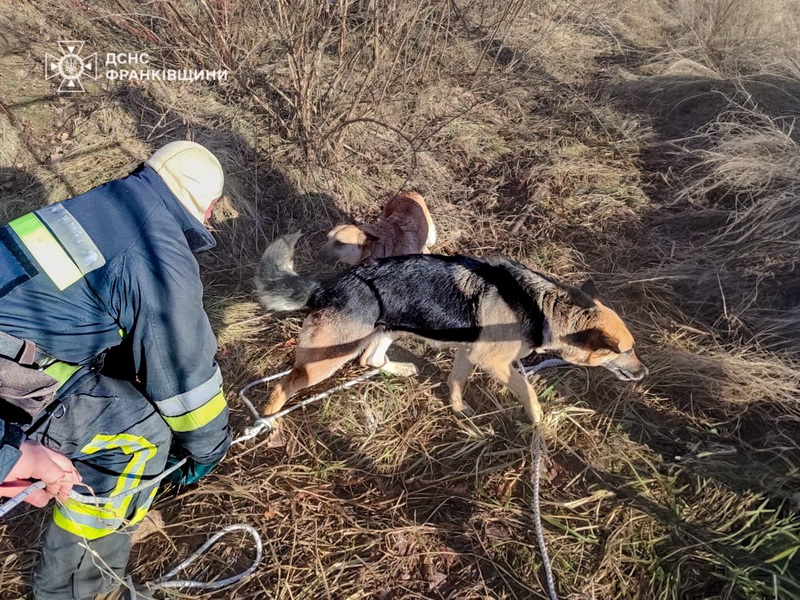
point(627, 367)
point(624, 374)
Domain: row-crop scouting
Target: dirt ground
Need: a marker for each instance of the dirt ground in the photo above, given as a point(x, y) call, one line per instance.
point(648, 145)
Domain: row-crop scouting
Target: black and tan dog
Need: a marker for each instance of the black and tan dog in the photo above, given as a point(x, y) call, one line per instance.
point(494, 310)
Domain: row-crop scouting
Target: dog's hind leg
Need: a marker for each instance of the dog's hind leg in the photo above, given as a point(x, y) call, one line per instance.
point(498, 362)
point(462, 367)
point(375, 355)
point(325, 345)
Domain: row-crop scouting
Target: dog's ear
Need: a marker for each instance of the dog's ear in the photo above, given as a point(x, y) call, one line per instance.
point(591, 289)
point(372, 232)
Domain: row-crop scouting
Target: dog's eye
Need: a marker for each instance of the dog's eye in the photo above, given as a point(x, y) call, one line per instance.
point(338, 243)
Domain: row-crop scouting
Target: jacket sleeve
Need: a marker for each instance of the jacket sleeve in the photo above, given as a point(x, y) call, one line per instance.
point(11, 437)
point(159, 301)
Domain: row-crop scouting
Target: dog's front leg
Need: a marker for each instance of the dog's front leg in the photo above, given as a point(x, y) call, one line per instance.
point(276, 402)
point(515, 381)
point(462, 367)
point(278, 397)
point(519, 385)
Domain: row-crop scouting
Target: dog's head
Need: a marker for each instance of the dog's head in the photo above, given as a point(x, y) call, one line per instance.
point(348, 244)
point(602, 340)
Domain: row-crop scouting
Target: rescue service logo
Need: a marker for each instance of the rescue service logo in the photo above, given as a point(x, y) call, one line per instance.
point(71, 67)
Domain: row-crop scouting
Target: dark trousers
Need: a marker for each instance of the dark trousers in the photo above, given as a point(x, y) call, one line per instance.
point(116, 440)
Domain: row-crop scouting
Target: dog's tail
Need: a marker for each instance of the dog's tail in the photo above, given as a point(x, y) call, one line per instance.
point(279, 287)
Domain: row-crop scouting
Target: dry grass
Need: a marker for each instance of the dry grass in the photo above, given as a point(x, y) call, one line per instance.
point(737, 36)
point(649, 144)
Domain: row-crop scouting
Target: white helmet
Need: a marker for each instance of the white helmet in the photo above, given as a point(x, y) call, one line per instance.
point(192, 173)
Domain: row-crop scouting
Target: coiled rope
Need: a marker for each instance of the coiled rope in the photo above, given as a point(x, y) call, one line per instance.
point(167, 582)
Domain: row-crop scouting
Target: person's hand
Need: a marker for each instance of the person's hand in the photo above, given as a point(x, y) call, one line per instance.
point(42, 464)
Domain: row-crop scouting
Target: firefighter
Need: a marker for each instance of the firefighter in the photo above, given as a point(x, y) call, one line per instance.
point(108, 273)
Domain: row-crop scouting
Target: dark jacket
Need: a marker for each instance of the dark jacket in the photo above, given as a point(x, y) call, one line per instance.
point(116, 263)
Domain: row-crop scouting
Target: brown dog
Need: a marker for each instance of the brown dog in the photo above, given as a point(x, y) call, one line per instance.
point(405, 227)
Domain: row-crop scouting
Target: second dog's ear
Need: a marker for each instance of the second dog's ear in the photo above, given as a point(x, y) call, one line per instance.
point(371, 232)
point(591, 289)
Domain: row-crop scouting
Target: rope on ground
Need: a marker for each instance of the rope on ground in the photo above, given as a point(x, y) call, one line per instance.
point(537, 516)
point(537, 444)
point(166, 581)
point(263, 423)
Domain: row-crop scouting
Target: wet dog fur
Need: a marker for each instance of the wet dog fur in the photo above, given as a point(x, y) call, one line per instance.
point(405, 227)
point(494, 310)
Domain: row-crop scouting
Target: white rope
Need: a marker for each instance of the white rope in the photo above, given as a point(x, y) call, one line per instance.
point(537, 517)
point(545, 364)
point(97, 500)
point(263, 423)
point(536, 478)
point(166, 581)
point(9, 505)
point(246, 400)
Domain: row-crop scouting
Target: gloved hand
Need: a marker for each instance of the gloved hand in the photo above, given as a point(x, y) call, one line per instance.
point(190, 472)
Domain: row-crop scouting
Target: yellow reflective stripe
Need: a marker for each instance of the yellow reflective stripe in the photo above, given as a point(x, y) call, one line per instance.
point(180, 404)
point(199, 417)
point(142, 510)
point(81, 530)
point(61, 371)
point(60, 268)
point(141, 451)
point(93, 522)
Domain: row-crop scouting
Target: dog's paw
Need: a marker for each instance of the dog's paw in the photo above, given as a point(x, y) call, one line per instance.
point(400, 369)
point(275, 438)
point(462, 409)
